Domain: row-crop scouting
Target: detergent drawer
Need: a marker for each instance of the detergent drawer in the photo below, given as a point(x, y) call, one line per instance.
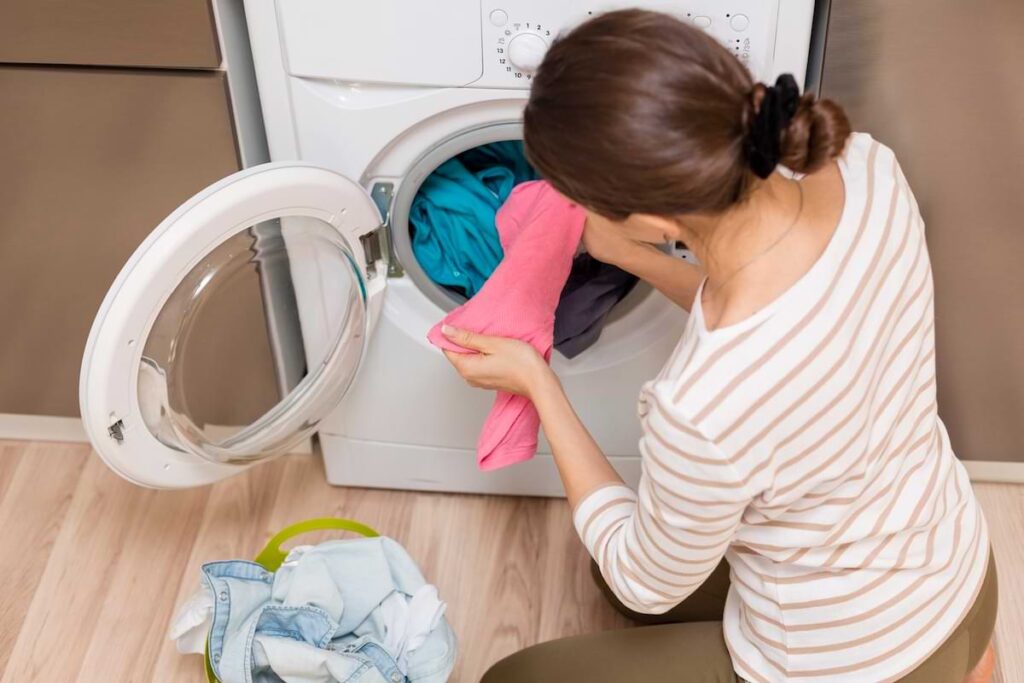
point(406, 42)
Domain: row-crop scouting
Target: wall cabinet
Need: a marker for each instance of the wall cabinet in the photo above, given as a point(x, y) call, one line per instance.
point(141, 33)
point(95, 156)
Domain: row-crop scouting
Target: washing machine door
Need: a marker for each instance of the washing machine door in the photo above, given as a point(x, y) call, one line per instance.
point(298, 241)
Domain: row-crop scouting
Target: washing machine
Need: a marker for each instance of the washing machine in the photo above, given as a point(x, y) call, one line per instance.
point(361, 102)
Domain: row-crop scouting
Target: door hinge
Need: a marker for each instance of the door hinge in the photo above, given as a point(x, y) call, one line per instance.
point(372, 250)
point(382, 194)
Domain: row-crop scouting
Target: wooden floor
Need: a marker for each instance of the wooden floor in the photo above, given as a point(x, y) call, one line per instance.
point(92, 567)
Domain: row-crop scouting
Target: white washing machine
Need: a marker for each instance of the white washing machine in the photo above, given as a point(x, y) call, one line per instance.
point(361, 101)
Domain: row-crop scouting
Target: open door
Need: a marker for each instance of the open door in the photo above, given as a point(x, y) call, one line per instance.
point(141, 412)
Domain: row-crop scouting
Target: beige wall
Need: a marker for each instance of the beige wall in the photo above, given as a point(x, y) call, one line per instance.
point(939, 81)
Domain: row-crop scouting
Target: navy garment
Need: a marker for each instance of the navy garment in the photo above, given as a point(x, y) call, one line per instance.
point(590, 293)
point(452, 217)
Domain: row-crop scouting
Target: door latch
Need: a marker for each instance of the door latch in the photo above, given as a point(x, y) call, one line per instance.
point(116, 431)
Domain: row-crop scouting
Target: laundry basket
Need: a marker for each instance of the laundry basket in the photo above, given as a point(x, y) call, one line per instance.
point(272, 557)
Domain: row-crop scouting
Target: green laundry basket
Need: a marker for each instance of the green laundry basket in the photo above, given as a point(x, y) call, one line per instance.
point(272, 557)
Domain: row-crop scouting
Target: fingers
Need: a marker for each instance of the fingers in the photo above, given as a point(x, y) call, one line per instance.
point(461, 361)
point(465, 338)
point(454, 357)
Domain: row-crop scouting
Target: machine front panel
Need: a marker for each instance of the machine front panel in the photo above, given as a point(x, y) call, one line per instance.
point(517, 33)
point(493, 43)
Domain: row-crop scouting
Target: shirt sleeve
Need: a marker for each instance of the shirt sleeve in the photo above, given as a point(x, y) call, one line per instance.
point(655, 546)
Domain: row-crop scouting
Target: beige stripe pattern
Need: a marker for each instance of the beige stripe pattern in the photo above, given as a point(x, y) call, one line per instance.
point(804, 446)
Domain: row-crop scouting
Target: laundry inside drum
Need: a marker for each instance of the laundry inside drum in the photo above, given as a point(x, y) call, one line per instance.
point(457, 244)
point(451, 221)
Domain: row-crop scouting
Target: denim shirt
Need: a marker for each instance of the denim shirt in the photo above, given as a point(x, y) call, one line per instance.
point(320, 617)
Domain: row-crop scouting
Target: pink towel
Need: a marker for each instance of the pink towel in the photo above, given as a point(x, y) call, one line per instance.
point(539, 230)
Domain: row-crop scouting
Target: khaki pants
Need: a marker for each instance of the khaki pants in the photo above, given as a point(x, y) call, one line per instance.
point(685, 645)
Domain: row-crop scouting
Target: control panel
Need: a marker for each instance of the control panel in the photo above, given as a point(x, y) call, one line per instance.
point(517, 33)
point(518, 46)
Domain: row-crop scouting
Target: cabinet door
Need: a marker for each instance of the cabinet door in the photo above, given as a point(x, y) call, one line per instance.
point(93, 159)
point(179, 34)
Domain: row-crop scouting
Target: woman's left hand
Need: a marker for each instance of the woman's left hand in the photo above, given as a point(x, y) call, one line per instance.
point(499, 363)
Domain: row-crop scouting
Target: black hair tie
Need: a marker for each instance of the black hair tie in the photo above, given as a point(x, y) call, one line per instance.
point(764, 139)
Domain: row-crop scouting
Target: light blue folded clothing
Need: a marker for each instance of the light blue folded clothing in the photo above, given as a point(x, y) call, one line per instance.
point(452, 216)
point(353, 611)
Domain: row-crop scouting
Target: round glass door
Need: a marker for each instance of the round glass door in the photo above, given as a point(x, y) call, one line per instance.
point(223, 372)
point(235, 328)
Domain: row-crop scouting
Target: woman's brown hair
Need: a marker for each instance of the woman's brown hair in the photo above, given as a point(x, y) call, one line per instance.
point(638, 112)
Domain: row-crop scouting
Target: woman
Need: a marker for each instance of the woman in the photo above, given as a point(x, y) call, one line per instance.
point(793, 432)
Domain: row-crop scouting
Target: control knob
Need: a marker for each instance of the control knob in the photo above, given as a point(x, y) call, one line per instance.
point(525, 52)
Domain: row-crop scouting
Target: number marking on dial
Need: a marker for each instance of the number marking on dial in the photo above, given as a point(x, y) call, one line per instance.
point(521, 48)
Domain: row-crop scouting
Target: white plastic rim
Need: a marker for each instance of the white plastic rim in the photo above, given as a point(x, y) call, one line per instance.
point(108, 387)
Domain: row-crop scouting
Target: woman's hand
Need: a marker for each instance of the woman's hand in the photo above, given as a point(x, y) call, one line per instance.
point(500, 363)
point(515, 366)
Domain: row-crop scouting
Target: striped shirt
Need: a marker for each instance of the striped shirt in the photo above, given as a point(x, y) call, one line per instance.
point(804, 446)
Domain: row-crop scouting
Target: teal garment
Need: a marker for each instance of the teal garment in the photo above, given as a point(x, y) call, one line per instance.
point(452, 217)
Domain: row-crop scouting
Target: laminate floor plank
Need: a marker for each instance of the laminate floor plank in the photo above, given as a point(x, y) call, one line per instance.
point(103, 564)
point(37, 483)
point(72, 589)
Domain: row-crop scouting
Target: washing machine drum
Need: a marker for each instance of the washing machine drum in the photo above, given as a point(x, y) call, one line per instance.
point(455, 241)
point(452, 217)
point(159, 334)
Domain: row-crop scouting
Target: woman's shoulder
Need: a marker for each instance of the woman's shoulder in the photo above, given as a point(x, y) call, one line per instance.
point(863, 153)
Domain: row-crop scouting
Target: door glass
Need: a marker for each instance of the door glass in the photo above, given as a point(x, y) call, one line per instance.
point(257, 344)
